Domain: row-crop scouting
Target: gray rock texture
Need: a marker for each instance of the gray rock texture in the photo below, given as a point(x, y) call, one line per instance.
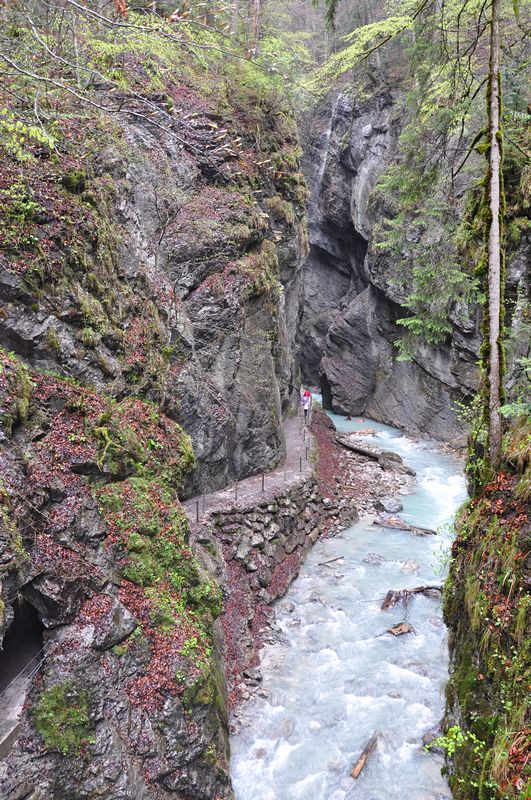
point(351, 305)
point(159, 286)
point(353, 294)
point(191, 295)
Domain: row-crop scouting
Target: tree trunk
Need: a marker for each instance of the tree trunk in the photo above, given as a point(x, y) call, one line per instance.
point(234, 17)
point(257, 18)
point(494, 288)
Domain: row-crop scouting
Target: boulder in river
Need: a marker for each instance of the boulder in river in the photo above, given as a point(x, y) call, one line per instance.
point(401, 629)
point(388, 504)
point(374, 558)
point(411, 565)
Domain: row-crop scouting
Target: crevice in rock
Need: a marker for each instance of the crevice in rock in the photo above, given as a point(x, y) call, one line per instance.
point(20, 659)
point(326, 392)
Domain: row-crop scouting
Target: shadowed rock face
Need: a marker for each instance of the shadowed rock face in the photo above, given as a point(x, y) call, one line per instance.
point(166, 294)
point(181, 286)
point(351, 303)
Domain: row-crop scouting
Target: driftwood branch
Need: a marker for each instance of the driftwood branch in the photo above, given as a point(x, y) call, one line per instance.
point(403, 596)
point(357, 448)
point(330, 561)
point(398, 524)
point(365, 753)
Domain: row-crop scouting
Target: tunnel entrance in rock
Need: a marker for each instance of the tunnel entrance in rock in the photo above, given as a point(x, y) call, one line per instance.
point(22, 642)
point(20, 659)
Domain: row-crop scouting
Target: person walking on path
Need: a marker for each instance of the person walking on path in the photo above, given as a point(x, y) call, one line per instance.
point(306, 402)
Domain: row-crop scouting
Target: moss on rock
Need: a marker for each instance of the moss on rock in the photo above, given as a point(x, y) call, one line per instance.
point(487, 604)
point(62, 718)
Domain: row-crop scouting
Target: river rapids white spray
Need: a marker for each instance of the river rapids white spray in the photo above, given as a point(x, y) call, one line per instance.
point(336, 676)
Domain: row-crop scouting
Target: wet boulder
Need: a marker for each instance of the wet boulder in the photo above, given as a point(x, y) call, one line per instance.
point(392, 462)
point(57, 599)
point(388, 504)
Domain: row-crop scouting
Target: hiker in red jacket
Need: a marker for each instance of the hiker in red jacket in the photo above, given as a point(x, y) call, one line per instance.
point(306, 402)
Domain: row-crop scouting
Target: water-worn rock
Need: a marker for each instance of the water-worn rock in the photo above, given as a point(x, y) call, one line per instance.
point(388, 504)
point(352, 303)
point(117, 626)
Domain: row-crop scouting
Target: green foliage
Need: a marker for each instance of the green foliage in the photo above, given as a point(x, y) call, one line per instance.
point(75, 181)
point(455, 738)
point(15, 391)
point(16, 136)
point(52, 340)
point(9, 524)
point(62, 718)
point(133, 440)
point(261, 271)
point(421, 236)
point(19, 209)
point(286, 54)
point(521, 406)
point(360, 43)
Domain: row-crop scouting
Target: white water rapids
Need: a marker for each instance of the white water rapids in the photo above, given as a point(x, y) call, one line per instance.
point(334, 679)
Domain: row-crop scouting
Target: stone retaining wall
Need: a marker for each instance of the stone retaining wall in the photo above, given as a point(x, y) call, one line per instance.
point(257, 551)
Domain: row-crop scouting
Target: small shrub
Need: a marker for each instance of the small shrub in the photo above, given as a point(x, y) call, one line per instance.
point(62, 717)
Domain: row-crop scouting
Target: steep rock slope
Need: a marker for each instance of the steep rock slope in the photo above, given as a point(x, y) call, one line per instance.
point(150, 281)
point(487, 607)
point(355, 292)
point(166, 271)
point(127, 700)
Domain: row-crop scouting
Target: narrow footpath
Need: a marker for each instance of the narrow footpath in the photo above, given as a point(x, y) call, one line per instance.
point(262, 487)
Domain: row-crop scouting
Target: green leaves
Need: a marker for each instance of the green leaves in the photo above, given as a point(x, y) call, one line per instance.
point(361, 42)
point(16, 136)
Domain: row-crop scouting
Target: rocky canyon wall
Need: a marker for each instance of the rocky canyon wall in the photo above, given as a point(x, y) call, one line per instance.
point(487, 605)
point(354, 292)
point(150, 284)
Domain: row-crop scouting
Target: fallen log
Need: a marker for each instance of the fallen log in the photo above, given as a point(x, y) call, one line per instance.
point(386, 459)
point(357, 448)
point(403, 596)
point(365, 753)
point(398, 524)
point(330, 561)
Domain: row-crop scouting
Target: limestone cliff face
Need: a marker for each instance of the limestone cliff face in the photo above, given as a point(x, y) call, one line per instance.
point(164, 277)
point(352, 299)
point(150, 292)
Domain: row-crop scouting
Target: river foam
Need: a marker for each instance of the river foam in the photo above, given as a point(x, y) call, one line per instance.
point(336, 676)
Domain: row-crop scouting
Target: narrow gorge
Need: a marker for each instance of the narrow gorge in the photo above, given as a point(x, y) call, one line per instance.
point(250, 516)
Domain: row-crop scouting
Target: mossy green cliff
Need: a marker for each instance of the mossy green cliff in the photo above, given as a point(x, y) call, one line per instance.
point(488, 609)
point(150, 282)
